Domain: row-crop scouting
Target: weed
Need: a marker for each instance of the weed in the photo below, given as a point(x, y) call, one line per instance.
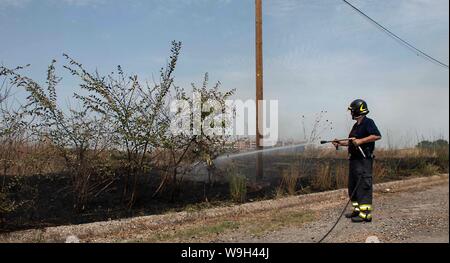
point(238, 188)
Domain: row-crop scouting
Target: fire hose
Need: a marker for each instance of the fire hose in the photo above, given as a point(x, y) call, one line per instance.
point(352, 194)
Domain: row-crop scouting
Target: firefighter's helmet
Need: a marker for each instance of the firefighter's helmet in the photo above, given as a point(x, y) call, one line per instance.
point(358, 108)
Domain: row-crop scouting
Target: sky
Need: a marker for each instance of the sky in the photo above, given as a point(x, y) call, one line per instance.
point(319, 55)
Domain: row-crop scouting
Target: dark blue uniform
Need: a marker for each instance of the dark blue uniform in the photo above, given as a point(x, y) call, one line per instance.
point(360, 169)
point(366, 128)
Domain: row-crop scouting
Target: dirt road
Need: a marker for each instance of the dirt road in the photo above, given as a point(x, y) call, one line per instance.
point(411, 216)
point(415, 210)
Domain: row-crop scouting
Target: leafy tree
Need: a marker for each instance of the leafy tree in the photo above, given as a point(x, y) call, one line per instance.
point(134, 111)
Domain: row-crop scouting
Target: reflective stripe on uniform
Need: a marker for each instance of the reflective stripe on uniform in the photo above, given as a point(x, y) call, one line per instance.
point(355, 204)
point(365, 207)
point(365, 215)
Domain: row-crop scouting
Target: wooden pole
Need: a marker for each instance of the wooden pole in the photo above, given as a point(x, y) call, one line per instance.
point(259, 85)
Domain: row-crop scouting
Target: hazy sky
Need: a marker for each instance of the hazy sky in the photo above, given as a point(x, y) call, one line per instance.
point(319, 54)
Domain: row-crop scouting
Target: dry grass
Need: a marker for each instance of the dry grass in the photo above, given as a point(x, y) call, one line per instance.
point(330, 169)
point(20, 158)
point(289, 181)
point(341, 175)
point(380, 172)
point(322, 180)
point(404, 153)
point(329, 176)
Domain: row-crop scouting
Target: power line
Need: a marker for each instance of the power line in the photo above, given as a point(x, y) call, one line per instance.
point(397, 38)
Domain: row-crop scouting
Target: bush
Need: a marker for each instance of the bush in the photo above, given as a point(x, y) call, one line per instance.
point(438, 144)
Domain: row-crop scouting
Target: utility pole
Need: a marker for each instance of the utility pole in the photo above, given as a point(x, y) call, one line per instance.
point(259, 87)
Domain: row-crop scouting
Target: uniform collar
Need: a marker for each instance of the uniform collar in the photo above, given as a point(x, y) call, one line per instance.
point(362, 121)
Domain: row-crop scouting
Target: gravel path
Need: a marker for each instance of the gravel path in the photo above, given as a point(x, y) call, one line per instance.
point(411, 216)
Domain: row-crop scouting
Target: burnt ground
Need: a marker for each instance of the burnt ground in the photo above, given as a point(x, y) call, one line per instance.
point(414, 210)
point(47, 200)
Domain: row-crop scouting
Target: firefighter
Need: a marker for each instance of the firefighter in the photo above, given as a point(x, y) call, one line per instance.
point(363, 136)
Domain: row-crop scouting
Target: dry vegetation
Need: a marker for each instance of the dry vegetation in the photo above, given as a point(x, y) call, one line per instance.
point(113, 155)
point(330, 169)
point(117, 139)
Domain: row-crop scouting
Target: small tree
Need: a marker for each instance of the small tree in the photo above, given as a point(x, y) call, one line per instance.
point(210, 145)
point(198, 144)
point(177, 147)
point(134, 112)
point(74, 133)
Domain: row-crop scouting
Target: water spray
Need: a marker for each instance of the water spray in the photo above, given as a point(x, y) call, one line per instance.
point(231, 156)
point(267, 150)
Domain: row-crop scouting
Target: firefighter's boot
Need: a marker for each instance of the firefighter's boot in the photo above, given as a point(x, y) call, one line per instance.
point(365, 214)
point(355, 211)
